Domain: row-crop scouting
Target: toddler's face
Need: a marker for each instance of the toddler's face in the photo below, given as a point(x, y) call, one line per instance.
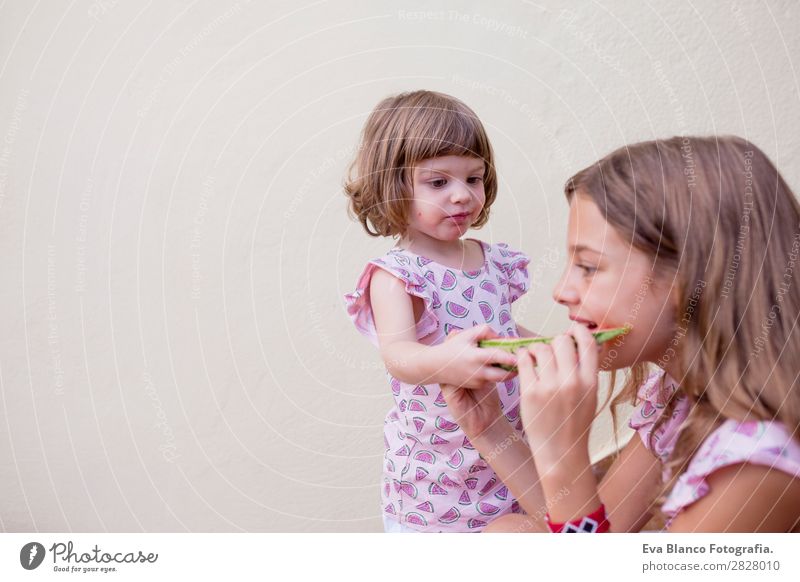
point(608, 283)
point(448, 197)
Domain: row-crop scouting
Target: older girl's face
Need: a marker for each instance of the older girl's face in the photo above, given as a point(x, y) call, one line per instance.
point(608, 283)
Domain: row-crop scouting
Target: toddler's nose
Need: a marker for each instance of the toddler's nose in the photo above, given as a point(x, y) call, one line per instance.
point(460, 192)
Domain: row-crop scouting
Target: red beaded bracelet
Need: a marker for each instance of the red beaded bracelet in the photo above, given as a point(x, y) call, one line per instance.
point(595, 522)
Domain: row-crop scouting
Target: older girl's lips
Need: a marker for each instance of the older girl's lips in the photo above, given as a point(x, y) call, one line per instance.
point(588, 323)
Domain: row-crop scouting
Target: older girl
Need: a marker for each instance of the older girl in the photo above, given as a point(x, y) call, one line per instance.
point(693, 242)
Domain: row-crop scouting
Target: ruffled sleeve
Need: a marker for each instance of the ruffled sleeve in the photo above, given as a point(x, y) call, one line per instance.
point(359, 307)
point(514, 266)
point(758, 442)
point(653, 396)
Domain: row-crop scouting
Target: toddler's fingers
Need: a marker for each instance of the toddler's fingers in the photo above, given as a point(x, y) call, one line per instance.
point(485, 331)
point(496, 375)
point(499, 356)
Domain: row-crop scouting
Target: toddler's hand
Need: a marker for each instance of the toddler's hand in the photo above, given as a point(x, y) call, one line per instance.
point(462, 363)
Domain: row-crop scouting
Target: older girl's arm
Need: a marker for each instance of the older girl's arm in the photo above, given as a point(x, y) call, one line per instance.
point(506, 451)
point(744, 498)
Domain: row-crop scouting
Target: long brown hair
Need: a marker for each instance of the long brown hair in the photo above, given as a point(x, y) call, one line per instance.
point(715, 214)
point(401, 131)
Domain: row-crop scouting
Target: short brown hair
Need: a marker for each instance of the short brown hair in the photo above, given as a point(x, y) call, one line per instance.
point(400, 132)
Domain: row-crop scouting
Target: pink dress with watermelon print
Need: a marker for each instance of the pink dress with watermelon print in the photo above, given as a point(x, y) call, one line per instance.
point(433, 478)
point(765, 443)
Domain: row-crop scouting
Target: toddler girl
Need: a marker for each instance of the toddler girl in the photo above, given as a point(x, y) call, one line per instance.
point(425, 174)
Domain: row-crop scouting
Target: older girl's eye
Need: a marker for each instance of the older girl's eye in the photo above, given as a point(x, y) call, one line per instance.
point(475, 179)
point(587, 269)
point(438, 183)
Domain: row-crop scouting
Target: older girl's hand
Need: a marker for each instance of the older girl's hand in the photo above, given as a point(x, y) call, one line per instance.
point(558, 385)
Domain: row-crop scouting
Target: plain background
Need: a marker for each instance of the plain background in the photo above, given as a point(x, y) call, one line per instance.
point(174, 242)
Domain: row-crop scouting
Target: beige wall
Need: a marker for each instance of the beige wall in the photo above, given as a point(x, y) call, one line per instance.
point(174, 245)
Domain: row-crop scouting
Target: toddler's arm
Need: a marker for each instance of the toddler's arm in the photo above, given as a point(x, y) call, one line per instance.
point(460, 361)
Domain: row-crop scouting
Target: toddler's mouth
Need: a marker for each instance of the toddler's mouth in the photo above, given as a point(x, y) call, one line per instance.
point(461, 217)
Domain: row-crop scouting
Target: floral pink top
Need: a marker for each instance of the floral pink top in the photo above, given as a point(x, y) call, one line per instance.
point(766, 443)
point(433, 478)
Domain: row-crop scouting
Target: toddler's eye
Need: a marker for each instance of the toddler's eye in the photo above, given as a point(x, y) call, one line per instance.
point(438, 183)
point(587, 269)
point(475, 179)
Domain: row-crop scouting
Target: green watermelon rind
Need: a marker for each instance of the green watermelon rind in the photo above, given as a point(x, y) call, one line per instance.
point(512, 344)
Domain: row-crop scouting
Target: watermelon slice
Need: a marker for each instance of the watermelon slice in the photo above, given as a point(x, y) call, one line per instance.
point(512, 344)
point(455, 309)
point(435, 489)
point(504, 317)
point(513, 414)
point(420, 390)
point(419, 423)
point(486, 310)
point(440, 401)
point(421, 473)
point(437, 440)
point(447, 481)
point(469, 294)
point(471, 483)
point(416, 406)
point(425, 457)
point(416, 519)
point(509, 384)
point(456, 460)
point(488, 487)
point(489, 287)
point(409, 489)
point(450, 516)
point(473, 523)
point(448, 327)
point(445, 425)
point(464, 499)
point(448, 280)
point(426, 507)
point(487, 508)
